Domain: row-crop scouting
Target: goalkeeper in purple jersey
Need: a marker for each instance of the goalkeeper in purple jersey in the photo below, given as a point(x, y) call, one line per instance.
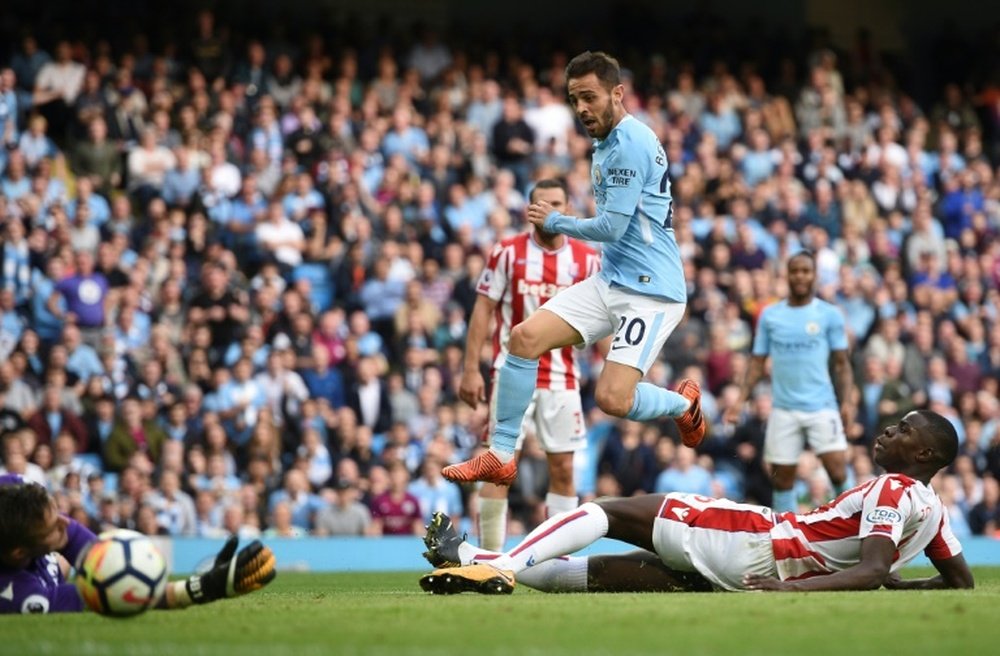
point(37, 545)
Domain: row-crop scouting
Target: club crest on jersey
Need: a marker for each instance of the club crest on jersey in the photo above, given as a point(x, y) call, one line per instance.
point(35, 604)
point(884, 515)
point(597, 175)
point(812, 328)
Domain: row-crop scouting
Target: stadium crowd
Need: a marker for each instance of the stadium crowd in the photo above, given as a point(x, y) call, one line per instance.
point(236, 273)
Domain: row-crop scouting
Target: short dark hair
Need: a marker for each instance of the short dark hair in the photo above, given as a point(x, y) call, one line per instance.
point(806, 253)
point(601, 64)
point(548, 183)
point(943, 435)
point(22, 511)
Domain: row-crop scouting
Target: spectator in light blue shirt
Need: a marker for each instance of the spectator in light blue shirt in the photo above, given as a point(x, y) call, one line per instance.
point(685, 475)
point(15, 182)
point(82, 359)
point(304, 199)
point(381, 296)
point(296, 494)
point(405, 138)
point(180, 184)
point(435, 493)
point(720, 121)
point(758, 163)
point(35, 144)
point(100, 211)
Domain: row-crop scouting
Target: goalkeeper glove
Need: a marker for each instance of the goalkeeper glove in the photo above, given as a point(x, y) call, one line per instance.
point(233, 574)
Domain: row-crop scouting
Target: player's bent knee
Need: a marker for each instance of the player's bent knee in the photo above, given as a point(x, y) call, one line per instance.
point(526, 343)
point(616, 405)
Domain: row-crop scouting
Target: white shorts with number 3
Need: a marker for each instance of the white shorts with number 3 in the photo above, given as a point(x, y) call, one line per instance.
point(555, 417)
point(788, 431)
point(640, 324)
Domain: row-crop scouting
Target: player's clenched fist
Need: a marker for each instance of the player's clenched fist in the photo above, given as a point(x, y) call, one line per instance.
point(537, 212)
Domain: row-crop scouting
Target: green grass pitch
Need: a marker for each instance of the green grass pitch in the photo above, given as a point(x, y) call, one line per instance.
point(312, 614)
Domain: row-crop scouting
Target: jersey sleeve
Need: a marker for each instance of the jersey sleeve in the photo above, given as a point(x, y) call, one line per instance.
point(836, 331)
point(762, 340)
point(495, 277)
point(885, 509)
point(24, 593)
point(78, 537)
point(624, 177)
point(944, 544)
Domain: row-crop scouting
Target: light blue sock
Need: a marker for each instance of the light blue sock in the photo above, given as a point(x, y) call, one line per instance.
point(784, 501)
point(653, 402)
point(515, 386)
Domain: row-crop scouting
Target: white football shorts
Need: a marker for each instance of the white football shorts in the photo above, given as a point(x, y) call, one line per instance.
point(641, 324)
point(788, 431)
point(720, 539)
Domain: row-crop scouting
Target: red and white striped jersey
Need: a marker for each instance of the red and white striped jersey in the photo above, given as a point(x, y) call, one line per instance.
point(521, 276)
point(828, 539)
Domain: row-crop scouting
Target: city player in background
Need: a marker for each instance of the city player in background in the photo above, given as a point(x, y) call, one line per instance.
point(38, 544)
point(639, 295)
point(805, 337)
point(860, 541)
point(524, 272)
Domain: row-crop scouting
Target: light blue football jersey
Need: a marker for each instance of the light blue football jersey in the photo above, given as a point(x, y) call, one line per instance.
point(629, 174)
point(800, 340)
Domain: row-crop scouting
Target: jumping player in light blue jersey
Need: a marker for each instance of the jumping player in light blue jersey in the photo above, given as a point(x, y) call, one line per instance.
point(802, 335)
point(639, 297)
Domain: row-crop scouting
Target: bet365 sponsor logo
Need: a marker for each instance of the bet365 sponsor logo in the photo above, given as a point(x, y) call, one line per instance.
point(884, 515)
point(542, 289)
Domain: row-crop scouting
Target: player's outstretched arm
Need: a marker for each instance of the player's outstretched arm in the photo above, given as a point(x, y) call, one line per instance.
point(953, 573)
point(232, 574)
point(605, 227)
point(869, 574)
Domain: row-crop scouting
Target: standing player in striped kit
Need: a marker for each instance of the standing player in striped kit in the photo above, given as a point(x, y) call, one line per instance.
point(524, 272)
point(859, 541)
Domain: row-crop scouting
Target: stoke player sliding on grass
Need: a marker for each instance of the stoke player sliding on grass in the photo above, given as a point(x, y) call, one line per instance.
point(639, 296)
point(37, 545)
point(524, 272)
point(859, 541)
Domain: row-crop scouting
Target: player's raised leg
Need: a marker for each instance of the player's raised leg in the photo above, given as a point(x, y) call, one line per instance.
point(643, 325)
point(539, 334)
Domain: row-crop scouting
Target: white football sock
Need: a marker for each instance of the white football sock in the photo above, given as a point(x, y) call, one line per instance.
point(557, 503)
point(492, 523)
point(566, 574)
point(557, 536)
point(469, 554)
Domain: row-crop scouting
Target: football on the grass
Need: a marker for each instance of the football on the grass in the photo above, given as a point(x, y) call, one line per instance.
point(122, 573)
